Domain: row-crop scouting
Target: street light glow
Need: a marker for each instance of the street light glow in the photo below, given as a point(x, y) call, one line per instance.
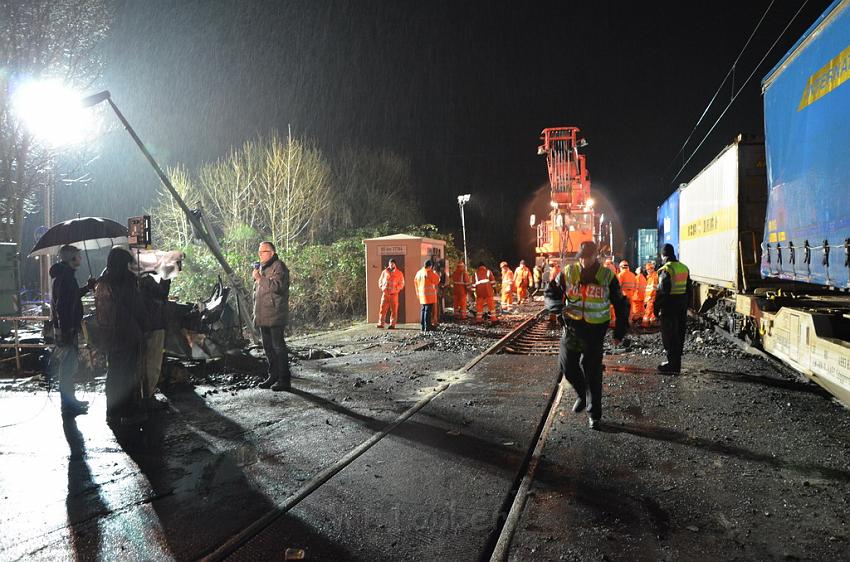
point(52, 112)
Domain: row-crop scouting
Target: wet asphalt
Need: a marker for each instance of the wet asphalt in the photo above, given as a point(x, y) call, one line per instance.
point(730, 460)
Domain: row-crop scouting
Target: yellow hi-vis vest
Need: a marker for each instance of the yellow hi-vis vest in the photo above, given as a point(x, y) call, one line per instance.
point(589, 302)
point(678, 273)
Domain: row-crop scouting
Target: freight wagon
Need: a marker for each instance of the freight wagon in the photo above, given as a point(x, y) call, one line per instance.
point(765, 229)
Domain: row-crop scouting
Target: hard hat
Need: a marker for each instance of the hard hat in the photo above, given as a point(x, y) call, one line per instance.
point(624, 263)
point(503, 264)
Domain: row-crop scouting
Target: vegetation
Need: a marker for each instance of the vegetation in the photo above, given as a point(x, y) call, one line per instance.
point(40, 39)
point(316, 211)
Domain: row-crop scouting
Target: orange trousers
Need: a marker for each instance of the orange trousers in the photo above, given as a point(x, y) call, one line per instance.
point(522, 293)
point(648, 312)
point(480, 302)
point(389, 303)
point(460, 302)
point(637, 308)
point(507, 300)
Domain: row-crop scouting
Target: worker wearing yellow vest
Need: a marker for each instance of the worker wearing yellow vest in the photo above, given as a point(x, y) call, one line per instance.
point(609, 264)
point(671, 306)
point(522, 281)
point(649, 295)
point(637, 299)
point(391, 283)
point(507, 287)
point(426, 282)
point(582, 296)
point(460, 286)
point(484, 283)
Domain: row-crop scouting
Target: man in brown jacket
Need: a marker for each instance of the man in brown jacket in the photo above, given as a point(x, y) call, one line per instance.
point(271, 314)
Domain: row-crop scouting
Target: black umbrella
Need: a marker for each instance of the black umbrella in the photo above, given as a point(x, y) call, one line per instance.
point(87, 233)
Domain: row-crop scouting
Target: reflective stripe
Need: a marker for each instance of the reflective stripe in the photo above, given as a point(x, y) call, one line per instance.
point(678, 273)
point(426, 286)
point(391, 282)
point(590, 302)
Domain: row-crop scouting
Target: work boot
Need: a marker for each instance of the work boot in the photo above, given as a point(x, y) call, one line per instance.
point(580, 404)
point(392, 327)
point(671, 368)
point(270, 380)
point(379, 325)
point(594, 424)
point(282, 384)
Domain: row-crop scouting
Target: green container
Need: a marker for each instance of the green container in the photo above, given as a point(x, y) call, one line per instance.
point(647, 246)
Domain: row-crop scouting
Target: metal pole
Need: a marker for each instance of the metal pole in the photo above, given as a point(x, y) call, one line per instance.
point(463, 225)
point(193, 220)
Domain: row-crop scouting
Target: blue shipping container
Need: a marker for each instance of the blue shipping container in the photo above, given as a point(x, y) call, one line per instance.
point(668, 222)
point(807, 137)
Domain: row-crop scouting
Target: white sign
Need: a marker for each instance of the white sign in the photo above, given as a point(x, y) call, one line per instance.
point(392, 250)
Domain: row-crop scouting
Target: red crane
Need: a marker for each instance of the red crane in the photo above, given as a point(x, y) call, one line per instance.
point(571, 215)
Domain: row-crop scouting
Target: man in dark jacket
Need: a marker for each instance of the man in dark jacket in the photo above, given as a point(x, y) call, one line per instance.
point(67, 313)
point(671, 307)
point(583, 295)
point(271, 314)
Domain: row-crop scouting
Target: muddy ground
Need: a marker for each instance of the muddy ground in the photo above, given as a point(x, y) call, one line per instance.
point(733, 459)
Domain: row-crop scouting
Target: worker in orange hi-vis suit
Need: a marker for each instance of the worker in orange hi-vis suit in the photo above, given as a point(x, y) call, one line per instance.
point(649, 297)
point(391, 283)
point(460, 286)
point(507, 287)
point(484, 283)
point(628, 282)
point(522, 280)
point(640, 295)
point(426, 282)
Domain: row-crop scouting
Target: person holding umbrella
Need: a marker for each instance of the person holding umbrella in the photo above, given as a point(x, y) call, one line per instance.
point(67, 314)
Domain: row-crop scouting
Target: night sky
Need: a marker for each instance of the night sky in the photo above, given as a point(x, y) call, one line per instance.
point(461, 88)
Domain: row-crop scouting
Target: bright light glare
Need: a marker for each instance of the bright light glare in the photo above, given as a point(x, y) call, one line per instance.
point(589, 203)
point(52, 112)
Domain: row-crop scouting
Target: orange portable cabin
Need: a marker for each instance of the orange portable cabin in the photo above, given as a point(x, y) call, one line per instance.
point(410, 253)
point(571, 218)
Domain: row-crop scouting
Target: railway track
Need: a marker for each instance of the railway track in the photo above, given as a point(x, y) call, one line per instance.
point(534, 336)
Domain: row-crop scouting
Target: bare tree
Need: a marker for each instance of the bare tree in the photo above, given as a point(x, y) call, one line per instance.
point(40, 39)
point(371, 187)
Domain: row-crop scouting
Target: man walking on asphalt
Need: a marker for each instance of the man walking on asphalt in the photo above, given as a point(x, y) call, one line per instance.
point(583, 295)
point(271, 314)
point(67, 313)
point(671, 307)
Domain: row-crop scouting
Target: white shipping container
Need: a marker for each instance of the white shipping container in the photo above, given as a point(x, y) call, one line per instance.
point(708, 222)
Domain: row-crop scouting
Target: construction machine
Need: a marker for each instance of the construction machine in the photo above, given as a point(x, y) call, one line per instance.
point(571, 216)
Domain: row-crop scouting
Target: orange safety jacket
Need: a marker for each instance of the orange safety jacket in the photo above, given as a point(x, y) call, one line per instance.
point(522, 277)
point(507, 281)
point(460, 279)
point(484, 281)
point(426, 282)
point(391, 281)
point(628, 282)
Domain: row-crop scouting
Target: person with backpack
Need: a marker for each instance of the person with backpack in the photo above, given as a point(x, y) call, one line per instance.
point(121, 319)
point(67, 314)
